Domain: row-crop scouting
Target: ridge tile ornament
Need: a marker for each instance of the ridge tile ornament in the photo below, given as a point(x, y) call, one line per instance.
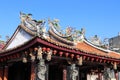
point(69, 33)
point(34, 25)
point(38, 26)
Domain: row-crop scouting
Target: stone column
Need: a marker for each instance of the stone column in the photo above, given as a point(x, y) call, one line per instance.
point(5, 73)
point(32, 71)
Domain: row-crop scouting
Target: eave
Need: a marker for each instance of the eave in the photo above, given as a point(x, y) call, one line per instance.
point(41, 41)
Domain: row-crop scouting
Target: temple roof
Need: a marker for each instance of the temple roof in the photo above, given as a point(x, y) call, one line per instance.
point(34, 31)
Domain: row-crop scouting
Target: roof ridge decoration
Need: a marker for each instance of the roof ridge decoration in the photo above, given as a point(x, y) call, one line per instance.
point(105, 50)
point(68, 35)
point(37, 26)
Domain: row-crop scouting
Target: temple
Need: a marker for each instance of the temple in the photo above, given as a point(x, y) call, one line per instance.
point(41, 50)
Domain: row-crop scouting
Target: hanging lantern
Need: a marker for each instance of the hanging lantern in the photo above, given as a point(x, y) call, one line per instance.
point(115, 65)
point(92, 59)
point(97, 59)
point(84, 57)
point(44, 49)
point(80, 61)
point(66, 54)
point(104, 61)
point(35, 49)
point(77, 56)
point(72, 56)
point(61, 53)
point(54, 52)
point(48, 49)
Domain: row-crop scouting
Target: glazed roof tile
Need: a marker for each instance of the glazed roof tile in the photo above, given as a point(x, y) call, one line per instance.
point(96, 51)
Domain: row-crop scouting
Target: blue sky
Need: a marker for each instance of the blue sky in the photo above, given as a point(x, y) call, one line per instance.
point(98, 17)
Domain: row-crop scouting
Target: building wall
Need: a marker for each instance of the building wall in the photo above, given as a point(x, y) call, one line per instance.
point(114, 43)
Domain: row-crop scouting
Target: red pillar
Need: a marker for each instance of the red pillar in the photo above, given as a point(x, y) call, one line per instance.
point(1, 73)
point(32, 71)
point(5, 73)
point(64, 74)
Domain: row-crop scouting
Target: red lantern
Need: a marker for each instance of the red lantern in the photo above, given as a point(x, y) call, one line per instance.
point(84, 57)
point(72, 56)
point(66, 54)
point(35, 49)
point(77, 56)
point(54, 52)
point(97, 59)
point(44, 49)
point(61, 53)
point(104, 61)
point(48, 49)
point(92, 59)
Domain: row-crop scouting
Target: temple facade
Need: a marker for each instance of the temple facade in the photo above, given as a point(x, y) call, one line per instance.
point(40, 50)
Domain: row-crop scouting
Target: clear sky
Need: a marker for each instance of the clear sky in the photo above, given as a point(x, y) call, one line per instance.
point(98, 17)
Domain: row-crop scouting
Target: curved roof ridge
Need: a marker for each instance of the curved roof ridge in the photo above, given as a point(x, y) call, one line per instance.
point(16, 32)
point(102, 49)
point(115, 52)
